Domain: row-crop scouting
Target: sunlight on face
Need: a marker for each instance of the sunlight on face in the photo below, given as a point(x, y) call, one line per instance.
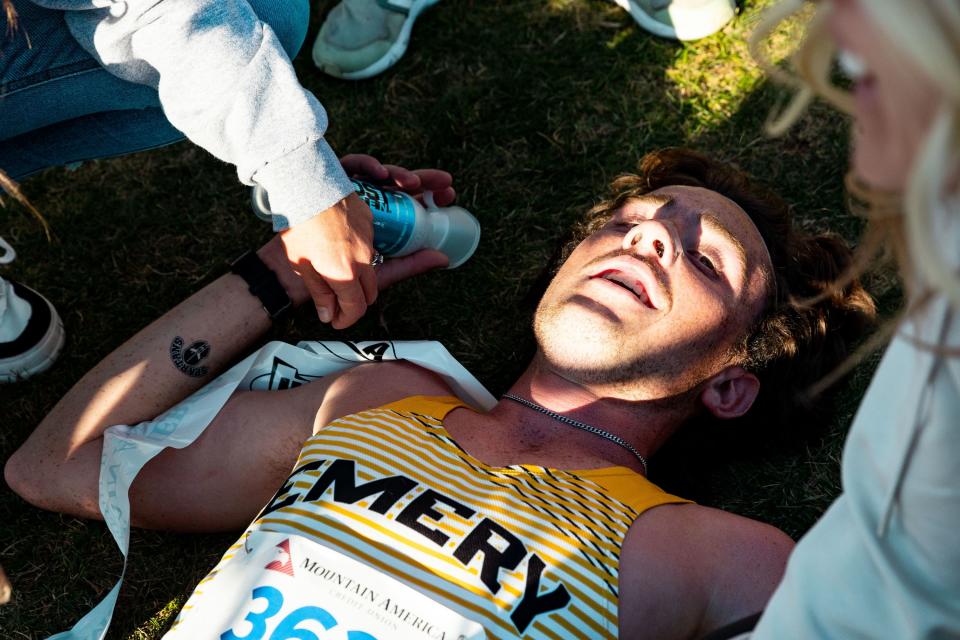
point(654, 301)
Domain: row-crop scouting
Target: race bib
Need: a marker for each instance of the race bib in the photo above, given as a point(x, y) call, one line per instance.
point(278, 586)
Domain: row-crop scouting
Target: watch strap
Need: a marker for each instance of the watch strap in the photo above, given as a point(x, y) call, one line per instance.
point(263, 283)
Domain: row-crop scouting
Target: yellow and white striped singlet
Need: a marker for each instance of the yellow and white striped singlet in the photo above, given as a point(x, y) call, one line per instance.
point(524, 551)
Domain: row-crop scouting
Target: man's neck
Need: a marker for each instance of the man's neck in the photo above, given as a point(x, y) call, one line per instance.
point(644, 425)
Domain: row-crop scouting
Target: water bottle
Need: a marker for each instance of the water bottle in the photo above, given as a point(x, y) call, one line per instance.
point(401, 225)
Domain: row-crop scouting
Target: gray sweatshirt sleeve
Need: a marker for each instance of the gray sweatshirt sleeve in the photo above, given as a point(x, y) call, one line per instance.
point(225, 81)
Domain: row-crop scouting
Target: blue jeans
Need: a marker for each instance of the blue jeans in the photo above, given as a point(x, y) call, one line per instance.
point(58, 105)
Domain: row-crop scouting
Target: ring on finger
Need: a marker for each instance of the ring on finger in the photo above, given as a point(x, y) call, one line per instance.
point(377, 259)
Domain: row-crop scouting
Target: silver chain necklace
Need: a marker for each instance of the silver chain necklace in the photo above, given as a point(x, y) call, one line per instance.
point(580, 425)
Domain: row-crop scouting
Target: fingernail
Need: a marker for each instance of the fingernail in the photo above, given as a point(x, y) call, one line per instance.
point(324, 314)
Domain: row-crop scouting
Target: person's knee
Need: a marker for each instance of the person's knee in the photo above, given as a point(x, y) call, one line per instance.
point(289, 19)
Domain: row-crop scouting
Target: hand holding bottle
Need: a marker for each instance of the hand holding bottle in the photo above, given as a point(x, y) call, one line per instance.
point(401, 222)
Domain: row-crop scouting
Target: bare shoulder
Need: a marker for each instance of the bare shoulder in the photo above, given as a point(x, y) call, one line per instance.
point(712, 567)
point(372, 385)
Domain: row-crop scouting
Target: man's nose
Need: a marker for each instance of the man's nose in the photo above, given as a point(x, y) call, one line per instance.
point(654, 239)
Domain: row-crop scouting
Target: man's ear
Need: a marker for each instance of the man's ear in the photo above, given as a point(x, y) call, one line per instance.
point(730, 393)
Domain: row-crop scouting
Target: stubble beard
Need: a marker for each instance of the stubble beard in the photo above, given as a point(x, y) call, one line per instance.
point(562, 342)
point(557, 343)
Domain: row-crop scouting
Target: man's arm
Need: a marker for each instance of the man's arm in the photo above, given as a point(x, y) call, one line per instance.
point(57, 468)
point(218, 482)
point(687, 570)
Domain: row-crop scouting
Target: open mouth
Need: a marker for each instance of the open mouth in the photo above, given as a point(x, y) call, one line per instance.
point(627, 282)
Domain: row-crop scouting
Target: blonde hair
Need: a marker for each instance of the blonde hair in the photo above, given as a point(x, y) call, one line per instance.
point(927, 33)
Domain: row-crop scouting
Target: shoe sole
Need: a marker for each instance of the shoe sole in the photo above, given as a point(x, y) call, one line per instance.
point(690, 25)
point(393, 54)
point(42, 356)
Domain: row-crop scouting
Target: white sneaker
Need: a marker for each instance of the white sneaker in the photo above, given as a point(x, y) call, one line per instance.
point(362, 38)
point(31, 333)
point(680, 19)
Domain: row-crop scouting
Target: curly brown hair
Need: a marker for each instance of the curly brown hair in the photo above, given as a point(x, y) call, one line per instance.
point(808, 325)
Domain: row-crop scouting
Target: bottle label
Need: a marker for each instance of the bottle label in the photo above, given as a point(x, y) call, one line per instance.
point(394, 217)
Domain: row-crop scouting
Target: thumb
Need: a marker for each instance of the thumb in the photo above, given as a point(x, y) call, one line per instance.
point(396, 269)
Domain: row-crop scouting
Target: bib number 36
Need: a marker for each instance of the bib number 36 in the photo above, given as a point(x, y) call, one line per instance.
point(288, 627)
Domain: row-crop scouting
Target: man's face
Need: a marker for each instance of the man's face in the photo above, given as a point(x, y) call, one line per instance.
point(651, 305)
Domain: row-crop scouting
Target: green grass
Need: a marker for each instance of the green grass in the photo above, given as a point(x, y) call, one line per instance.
point(533, 105)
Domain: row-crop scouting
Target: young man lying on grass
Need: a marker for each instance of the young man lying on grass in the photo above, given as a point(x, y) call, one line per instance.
point(674, 304)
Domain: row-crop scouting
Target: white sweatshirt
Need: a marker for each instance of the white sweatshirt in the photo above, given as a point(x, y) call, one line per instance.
point(225, 81)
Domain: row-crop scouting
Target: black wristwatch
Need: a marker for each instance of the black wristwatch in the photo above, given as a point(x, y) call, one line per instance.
point(263, 283)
